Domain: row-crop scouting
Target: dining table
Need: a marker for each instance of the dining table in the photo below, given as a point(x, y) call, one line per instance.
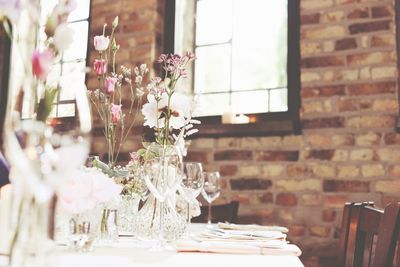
point(131, 252)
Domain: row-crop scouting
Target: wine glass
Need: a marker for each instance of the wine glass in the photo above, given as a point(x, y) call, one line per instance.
point(211, 190)
point(192, 183)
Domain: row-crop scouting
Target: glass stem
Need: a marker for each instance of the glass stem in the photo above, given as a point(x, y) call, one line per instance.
point(161, 223)
point(209, 214)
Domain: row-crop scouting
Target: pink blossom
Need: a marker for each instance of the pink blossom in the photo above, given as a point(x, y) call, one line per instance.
point(100, 66)
point(190, 55)
point(101, 42)
point(161, 58)
point(182, 73)
point(86, 189)
point(109, 84)
point(116, 111)
point(41, 62)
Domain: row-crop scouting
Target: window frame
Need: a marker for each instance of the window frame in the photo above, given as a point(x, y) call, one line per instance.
point(397, 22)
point(271, 123)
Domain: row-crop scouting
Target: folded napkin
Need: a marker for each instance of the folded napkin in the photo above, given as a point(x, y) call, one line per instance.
point(251, 227)
point(241, 235)
point(237, 248)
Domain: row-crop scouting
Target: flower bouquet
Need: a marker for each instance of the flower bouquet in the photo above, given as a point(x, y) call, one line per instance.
point(169, 113)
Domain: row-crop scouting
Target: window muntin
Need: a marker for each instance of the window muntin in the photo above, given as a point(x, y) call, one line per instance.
point(241, 48)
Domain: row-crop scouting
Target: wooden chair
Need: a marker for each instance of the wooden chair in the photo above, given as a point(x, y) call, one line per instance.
point(220, 213)
point(361, 223)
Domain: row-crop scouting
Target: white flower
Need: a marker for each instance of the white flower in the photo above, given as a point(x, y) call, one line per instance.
point(63, 37)
point(101, 42)
point(153, 111)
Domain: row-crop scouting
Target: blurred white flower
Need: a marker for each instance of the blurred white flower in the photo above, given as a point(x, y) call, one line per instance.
point(63, 37)
point(10, 9)
point(180, 109)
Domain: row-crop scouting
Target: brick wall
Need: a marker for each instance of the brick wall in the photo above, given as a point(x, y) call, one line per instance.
point(348, 150)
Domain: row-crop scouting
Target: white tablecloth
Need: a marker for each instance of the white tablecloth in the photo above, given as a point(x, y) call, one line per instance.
point(127, 257)
point(133, 253)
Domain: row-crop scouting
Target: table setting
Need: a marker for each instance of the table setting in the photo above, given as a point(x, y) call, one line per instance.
point(65, 207)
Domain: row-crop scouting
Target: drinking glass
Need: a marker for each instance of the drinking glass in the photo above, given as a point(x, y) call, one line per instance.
point(211, 190)
point(192, 183)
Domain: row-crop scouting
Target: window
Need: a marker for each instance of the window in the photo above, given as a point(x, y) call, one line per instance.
point(71, 67)
point(247, 56)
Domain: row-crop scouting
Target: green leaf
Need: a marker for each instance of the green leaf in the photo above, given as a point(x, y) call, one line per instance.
point(45, 105)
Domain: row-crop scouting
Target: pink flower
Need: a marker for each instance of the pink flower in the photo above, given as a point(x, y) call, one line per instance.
point(116, 113)
point(161, 58)
point(109, 84)
point(101, 42)
point(190, 55)
point(182, 73)
point(100, 66)
point(86, 189)
point(41, 62)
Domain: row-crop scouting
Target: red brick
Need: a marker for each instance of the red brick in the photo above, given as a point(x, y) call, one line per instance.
point(335, 201)
point(228, 170)
point(250, 184)
point(392, 139)
point(310, 18)
point(371, 88)
point(328, 215)
point(322, 91)
point(197, 156)
point(382, 11)
point(286, 199)
point(266, 198)
point(358, 13)
point(345, 186)
point(297, 170)
point(354, 104)
point(297, 230)
point(370, 58)
point(320, 231)
point(323, 154)
point(334, 122)
point(345, 44)
point(327, 61)
point(369, 26)
point(277, 156)
point(233, 155)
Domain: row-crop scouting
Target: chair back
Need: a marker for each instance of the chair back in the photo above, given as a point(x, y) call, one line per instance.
point(220, 213)
point(364, 228)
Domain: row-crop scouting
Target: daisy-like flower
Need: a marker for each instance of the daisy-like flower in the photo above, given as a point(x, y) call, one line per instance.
point(154, 111)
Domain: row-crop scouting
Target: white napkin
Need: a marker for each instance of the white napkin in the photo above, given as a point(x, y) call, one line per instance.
point(240, 235)
point(252, 227)
point(236, 248)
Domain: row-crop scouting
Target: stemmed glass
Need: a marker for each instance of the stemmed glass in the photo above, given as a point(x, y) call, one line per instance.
point(211, 190)
point(192, 183)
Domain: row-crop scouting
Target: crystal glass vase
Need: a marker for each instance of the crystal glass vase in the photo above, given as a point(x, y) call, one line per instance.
point(158, 218)
point(128, 209)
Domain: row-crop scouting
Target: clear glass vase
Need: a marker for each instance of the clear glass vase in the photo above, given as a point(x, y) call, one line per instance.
point(158, 218)
point(128, 209)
